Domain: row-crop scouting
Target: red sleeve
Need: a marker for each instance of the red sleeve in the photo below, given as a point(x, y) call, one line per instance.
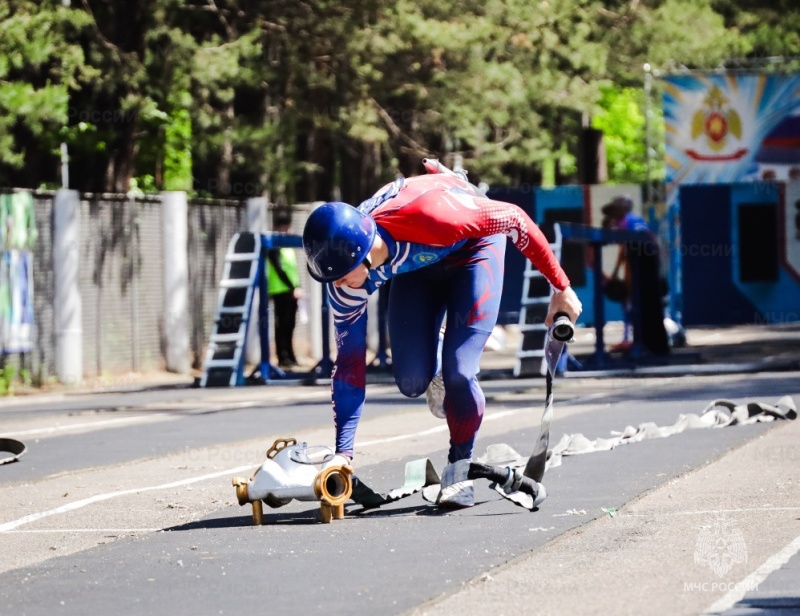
point(444, 213)
point(500, 217)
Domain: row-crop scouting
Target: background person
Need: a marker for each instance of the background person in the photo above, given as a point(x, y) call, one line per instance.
point(618, 214)
point(283, 285)
point(442, 242)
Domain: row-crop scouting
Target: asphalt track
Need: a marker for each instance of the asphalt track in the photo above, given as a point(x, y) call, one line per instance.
point(88, 526)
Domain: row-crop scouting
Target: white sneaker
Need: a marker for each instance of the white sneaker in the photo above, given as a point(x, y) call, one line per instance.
point(457, 491)
point(435, 396)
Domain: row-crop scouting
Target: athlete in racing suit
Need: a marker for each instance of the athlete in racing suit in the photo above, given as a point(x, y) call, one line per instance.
point(442, 242)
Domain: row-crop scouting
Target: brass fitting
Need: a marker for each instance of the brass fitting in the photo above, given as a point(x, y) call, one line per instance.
point(333, 485)
point(241, 490)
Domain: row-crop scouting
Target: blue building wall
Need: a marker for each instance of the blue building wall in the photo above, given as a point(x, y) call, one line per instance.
point(734, 255)
point(573, 203)
point(580, 204)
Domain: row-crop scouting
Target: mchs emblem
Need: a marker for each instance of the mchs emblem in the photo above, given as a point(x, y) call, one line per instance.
point(715, 122)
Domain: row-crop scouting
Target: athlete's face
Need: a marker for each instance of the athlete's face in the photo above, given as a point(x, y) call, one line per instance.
point(354, 279)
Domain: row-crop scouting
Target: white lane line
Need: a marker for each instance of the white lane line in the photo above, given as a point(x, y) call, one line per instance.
point(102, 497)
point(88, 424)
point(709, 512)
point(10, 526)
point(429, 431)
point(179, 412)
point(86, 530)
point(752, 581)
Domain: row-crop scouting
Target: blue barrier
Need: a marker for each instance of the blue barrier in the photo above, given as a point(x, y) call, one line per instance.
point(266, 370)
point(324, 367)
point(596, 239)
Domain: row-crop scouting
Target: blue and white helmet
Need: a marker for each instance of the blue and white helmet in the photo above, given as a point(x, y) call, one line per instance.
point(336, 239)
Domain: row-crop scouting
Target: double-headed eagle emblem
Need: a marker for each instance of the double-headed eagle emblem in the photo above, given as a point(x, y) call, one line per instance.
point(716, 119)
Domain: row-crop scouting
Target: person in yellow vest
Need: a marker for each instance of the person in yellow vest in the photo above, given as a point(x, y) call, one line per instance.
point(283, 284)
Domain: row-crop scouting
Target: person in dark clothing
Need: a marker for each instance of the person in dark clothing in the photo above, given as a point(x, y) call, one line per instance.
point(645, 256)
point(283, 284)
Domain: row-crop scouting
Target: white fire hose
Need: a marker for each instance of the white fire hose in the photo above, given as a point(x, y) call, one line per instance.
point(11, 450)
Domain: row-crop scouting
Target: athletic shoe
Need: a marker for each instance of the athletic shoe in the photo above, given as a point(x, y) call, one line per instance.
point(457, 491)
point(435, 396)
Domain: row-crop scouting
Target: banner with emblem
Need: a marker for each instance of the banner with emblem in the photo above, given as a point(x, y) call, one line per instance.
point(725, 128)
point(739, 132)
point(17, 238)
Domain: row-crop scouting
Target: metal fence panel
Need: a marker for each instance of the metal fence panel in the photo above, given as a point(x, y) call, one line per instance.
point(121, 285)
point(42, 362)
point(149, 290)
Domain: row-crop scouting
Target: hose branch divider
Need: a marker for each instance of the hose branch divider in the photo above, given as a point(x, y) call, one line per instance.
point(293, 471)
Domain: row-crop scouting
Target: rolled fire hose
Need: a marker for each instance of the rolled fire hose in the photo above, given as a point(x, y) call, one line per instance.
point(502, 465)
point(11, 446)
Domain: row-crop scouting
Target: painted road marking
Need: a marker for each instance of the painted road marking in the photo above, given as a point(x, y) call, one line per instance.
point(87, 530)
point(774, 562)
point(103, 497)
point(89, 424)
point(10, 526)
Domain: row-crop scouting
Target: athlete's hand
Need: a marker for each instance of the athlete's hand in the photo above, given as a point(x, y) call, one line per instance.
point(564, 301)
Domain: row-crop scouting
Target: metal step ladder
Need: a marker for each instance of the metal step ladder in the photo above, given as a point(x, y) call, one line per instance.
point(244, 270)
point(536, 293)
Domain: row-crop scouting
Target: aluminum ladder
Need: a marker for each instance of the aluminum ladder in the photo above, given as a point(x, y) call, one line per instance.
point(536, 294)
point(242, 275)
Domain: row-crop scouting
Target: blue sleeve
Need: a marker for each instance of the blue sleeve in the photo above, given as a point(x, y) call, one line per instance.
point(348, 382)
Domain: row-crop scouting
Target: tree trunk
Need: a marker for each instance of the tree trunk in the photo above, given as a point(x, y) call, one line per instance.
point(226, 156)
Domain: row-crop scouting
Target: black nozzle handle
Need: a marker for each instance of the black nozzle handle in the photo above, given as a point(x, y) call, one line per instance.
point(563, 329)
point(510, 479)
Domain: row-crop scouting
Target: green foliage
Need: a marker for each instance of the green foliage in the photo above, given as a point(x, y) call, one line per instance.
point(622, 121)
point(39, 62)
point(769, 32)
point(7, 377)
point(10, 377)
point(307, 101)
point(178, 151)
point(684, 33)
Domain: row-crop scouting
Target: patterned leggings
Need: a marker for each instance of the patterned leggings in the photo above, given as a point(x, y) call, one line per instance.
point(466, 286)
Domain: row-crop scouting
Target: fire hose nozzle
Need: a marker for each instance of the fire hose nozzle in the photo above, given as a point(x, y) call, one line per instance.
point(563, 329)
